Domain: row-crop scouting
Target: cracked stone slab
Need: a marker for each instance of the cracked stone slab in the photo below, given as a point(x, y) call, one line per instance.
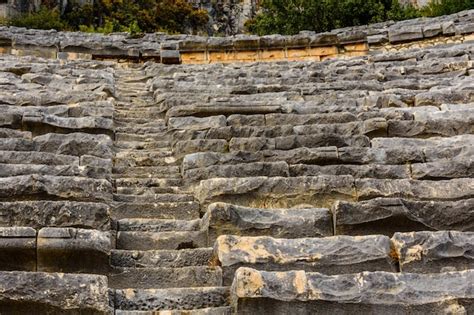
point(255, 292)
point(430, 252)
point(222, 219)
point(328, 255)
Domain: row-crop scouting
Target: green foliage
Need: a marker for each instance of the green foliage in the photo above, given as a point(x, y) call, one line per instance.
point(107, 16)
point(43, 19)
point(443, 7)
point(292, 16)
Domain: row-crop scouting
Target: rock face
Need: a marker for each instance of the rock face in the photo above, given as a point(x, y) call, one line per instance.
point(346, 185)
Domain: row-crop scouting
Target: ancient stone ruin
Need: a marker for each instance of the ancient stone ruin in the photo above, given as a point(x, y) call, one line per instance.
point(290, 175)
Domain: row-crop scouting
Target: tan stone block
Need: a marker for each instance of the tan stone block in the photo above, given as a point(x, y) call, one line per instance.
point(355, 53)
point(193, 57)
point(468, 38)
point(246, 55)
point(323, 51)
point(306, 58)
point(356, 47)
point(272, 54)
point(329, 57)
point(217, 56)
point(297, 53)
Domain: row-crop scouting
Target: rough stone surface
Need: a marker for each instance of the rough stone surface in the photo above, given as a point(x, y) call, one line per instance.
point(427, 252)
point(404, 292)
point(329, 255)
point(53, 293)
point(221, 219)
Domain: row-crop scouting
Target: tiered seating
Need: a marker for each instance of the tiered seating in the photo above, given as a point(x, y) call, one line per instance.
point(266, 188)
point(56, 156)
point(327, 168)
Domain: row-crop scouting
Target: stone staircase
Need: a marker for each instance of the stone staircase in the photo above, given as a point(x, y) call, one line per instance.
point(161, 261)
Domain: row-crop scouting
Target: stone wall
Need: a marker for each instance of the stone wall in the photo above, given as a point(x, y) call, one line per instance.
point(347, 42)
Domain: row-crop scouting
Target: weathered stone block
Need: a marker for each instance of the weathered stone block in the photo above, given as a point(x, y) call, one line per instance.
point(328, 255)
point(196, 123)
point(73, 250)
point(38, 214)
point(430, 252)
point(453, 189)
point(53, 293)
point(300, 292)
point(222, 218)
point(387, 216)
point(260, 192)
point(405, 33)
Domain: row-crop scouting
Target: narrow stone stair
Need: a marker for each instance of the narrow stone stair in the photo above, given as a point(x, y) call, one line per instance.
point(161, 264)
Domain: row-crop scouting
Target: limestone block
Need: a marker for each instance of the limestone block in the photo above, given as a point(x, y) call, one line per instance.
point(260, 192)
point(73, 250)
point(53, 293)
point(222, 218)
point(17, 248)
point(357, 171)
point(300, 292)
point(246, 120)
point(404, 33)
point(328, 255)
point(432, 30)
point(171, 298)
point(199, 145)
point(238, 170)
point(74, 188)
point(18, 157)
point(75, 144)
point(453, 189)
point(295, 119)
point(457, 167)
point(196, 123)
point(38, 214)
point(390, 215)
point(430, 252)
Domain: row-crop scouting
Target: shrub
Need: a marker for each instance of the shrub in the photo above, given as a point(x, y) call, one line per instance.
point(43, 19)
point(292, 16)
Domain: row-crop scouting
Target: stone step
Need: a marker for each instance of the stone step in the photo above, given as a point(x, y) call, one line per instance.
point(140, 130)
point(147, 172)
point(150, 198)
point(328, 255)
point(390, 215)
point(170, 299)
point(150, 190)
point(156, 225)
point(222, 219)
point(141, 114)
point(141, 145)
point(144, 158)
point(204, 311)
point(149, 278)
point(187, 210)
point(133, 182)
point(132, 137)
point(139, 121)
point(133, 240)
point(161, 258)
point(261, 292)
